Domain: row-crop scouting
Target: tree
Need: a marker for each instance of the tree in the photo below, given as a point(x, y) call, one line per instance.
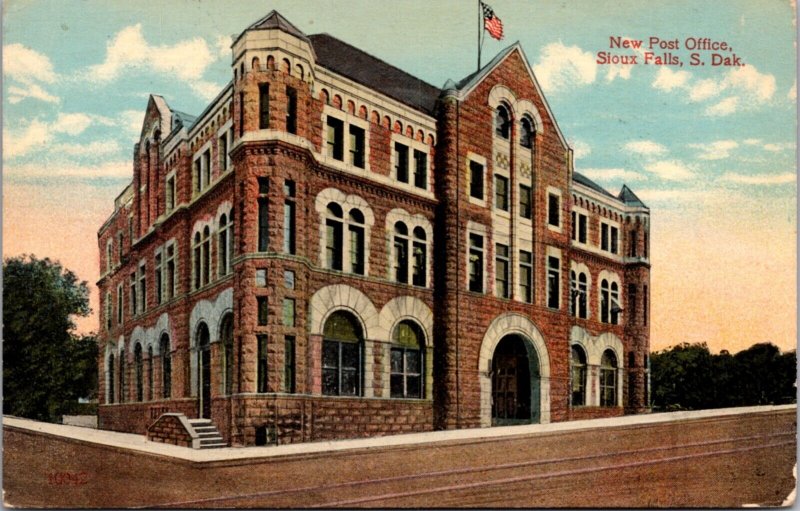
point(46, 365)
point(688, 376)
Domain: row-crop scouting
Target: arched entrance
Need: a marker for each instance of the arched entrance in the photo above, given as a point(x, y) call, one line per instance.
point(204, 370)
point(515, 382)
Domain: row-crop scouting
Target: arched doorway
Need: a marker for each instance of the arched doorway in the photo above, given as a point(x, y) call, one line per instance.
point(204, 370)
point(515, 382)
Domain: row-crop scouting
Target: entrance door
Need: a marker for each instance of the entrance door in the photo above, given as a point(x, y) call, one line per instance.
point(511, 383)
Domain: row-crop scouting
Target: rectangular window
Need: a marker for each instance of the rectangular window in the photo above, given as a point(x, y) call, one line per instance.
point(288, 312)
point(170, 280)
point(109, 311)
point(526, 276)
point(109, 253)
point(476, 263)
point(420, 169)
point(525, 202)
point(158, 280)
point(341, 368)
point(553, 210)
point(261, 278)
point(263, 106)
point(333, 244)
point(288, 279)
point(357, 146)
point(289, 227)
point(335, 138)
point(401, 162)
point(401, 259)
point(263, 224)
point(288, 365)
point(206, 168)
point(614, 240)
point(120, 304)
point(553, 282)
point(604, 236)
point(406, 373)
point(241, 114)
point(633, 241)
point(501, 271)
point(261, 380)
point(170, 191)
point(262, 305)
point(120, 245)
point(582, 221)
point(646, 245)
point(291, 110)
point(198, 176)
point(645, 304)
point(476, 180)
point(222, 152)
point(501, 192)
point(133, 293)
point(142, 288)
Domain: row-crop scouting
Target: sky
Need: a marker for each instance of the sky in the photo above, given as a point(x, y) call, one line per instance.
point(710, 149)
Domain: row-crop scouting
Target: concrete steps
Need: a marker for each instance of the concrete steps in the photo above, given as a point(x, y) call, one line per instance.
point(210, 437)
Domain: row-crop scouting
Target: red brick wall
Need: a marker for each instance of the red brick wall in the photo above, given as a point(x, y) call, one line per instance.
point(168, 429)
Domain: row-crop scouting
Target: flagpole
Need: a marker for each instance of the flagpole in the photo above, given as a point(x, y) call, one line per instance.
point(480, 18)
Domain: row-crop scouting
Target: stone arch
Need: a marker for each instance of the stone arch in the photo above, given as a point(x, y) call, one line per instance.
point(508, 324)
point(138, 335)
point(526, 106)
point(405, 307)
point(337, 297)
point(163, 326)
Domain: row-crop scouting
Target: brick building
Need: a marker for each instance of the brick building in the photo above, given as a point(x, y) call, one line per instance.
point(334, 248)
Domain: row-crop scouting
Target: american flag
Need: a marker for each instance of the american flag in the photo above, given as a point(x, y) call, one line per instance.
point(492, 23)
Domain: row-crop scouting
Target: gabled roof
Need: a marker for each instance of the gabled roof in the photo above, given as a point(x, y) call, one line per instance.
point(468, 83)
point(585, 181)
point(372, 72)
point(275, 20)
point(627, 196)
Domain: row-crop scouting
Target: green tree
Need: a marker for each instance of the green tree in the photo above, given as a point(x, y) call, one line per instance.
point(46, 365)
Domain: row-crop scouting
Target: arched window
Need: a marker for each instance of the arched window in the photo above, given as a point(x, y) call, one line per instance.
point(149, 373)
point(615, 307)
point(526, 132)
point(578, 364)
point(407, 362)
point(356, 229)
point(333, 237)
point(139, 368)
point(502, 122)
point(226, 335)
point(341, 355)
point(605, 302)
point(166, 367)
point(196, 258)
point(110, 389)
point(608, 379)
point(419, 259)
point(400, 252)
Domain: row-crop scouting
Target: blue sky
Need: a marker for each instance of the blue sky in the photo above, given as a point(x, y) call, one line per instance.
point(710, 149)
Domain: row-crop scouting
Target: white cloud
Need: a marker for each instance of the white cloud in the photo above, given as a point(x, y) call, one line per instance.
point(704, 89)
point(187, 60)
point(646, 147)
point(19, 143)
point(33, 91)
point(776, 148)
point(71, 124)
point(670, 170)
point(725, 107)
point(752, 141)
point(27, 66)
point(30, 68)
point(770, 179)
point(580, 149)
point(96, 148)
point(667, 79)
point(618, 71)
point(132, 121)
point(562, 66)
point(716, 150)
point(223, 44)
point(118, 169)
point(204, 89)
point(611, 174)
point(749, 81)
